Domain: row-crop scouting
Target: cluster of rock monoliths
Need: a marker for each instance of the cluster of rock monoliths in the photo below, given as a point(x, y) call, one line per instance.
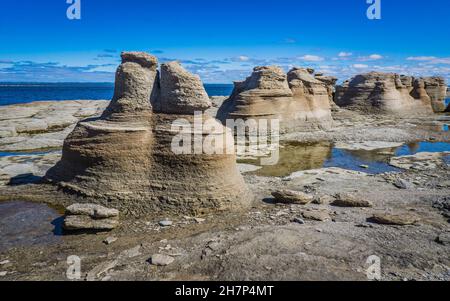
point(125, 160)
point(297, 99)
point(377, 92)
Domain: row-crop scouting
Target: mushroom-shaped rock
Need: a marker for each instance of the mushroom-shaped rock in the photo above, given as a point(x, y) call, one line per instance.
point(436, 88)
point(201, 174)
point(140, 161)
point(270, 94)
point(390, 93)
point(107, 158)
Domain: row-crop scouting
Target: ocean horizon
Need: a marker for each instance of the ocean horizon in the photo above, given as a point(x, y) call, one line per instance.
point(26, 92)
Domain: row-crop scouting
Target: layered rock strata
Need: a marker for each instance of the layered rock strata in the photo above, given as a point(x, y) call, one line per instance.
point(391, 93)
point(330, 84)
point(298, 100)
point(126, 158)
point(90, 217)
point(436, 88)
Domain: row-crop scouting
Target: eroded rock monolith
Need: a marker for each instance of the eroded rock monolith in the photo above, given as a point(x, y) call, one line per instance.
point(298, 100)
point(390, 93)
point(127, 158)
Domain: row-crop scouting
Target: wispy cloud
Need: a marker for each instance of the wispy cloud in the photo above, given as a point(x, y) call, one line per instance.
point(311, 58)
point(227, 69)
point(53, 71)
point(344, 54)
point(430, 59)
point(242, 58)
point(372, 57)
point(360, 66)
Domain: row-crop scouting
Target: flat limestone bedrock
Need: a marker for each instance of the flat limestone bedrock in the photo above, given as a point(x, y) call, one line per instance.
point(125, 160)
point(390, 93)
point(43, 124)
point(267, 94)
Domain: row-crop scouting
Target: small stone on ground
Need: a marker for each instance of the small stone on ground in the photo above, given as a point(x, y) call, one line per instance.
point(292, 197)
point(161, 260)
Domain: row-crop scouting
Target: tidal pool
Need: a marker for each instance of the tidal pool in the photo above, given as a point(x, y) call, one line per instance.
point(10, 154)
point(295, 156)
point(28, 224)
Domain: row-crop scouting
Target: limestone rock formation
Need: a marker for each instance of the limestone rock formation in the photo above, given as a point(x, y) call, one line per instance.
point(43, 124)
point(292, 197)
point(87, 223)
point(161, 260)
point(92, 210)
point(181, 92)
point(436, 88)
point(330, 83)
point(298, 100)
point(394, 219)
point(136, 85)
point(313, 97)
point(126, 158)
point(317, 215)
point(108, 157)
point(350, 200)
point(391, 93)
point(90, 217)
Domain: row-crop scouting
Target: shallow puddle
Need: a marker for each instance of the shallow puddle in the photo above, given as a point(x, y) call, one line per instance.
point(10, 154)
point(28, 224)
point(296, 156)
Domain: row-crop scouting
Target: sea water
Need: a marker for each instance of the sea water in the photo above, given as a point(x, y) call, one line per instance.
point(14, 93)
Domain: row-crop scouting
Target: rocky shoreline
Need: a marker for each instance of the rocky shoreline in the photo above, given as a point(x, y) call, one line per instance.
point(320, 222)
point(268, 242)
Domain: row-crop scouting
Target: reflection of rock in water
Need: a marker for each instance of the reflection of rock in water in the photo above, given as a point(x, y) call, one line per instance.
point(380, 155)
point(413, 147)
point(296, 156)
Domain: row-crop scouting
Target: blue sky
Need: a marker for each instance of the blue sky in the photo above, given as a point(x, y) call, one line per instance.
point(222, 40)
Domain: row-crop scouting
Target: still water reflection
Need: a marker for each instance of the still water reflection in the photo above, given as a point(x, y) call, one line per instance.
point(295, 156)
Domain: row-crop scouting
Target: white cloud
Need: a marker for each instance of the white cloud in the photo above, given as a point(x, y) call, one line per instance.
point(375, 57)
point(430, 59)
point(372, 57)
point(243, 58)
point(345, 54)
point(360, 66)
point(421, 58)
point(311, 58)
